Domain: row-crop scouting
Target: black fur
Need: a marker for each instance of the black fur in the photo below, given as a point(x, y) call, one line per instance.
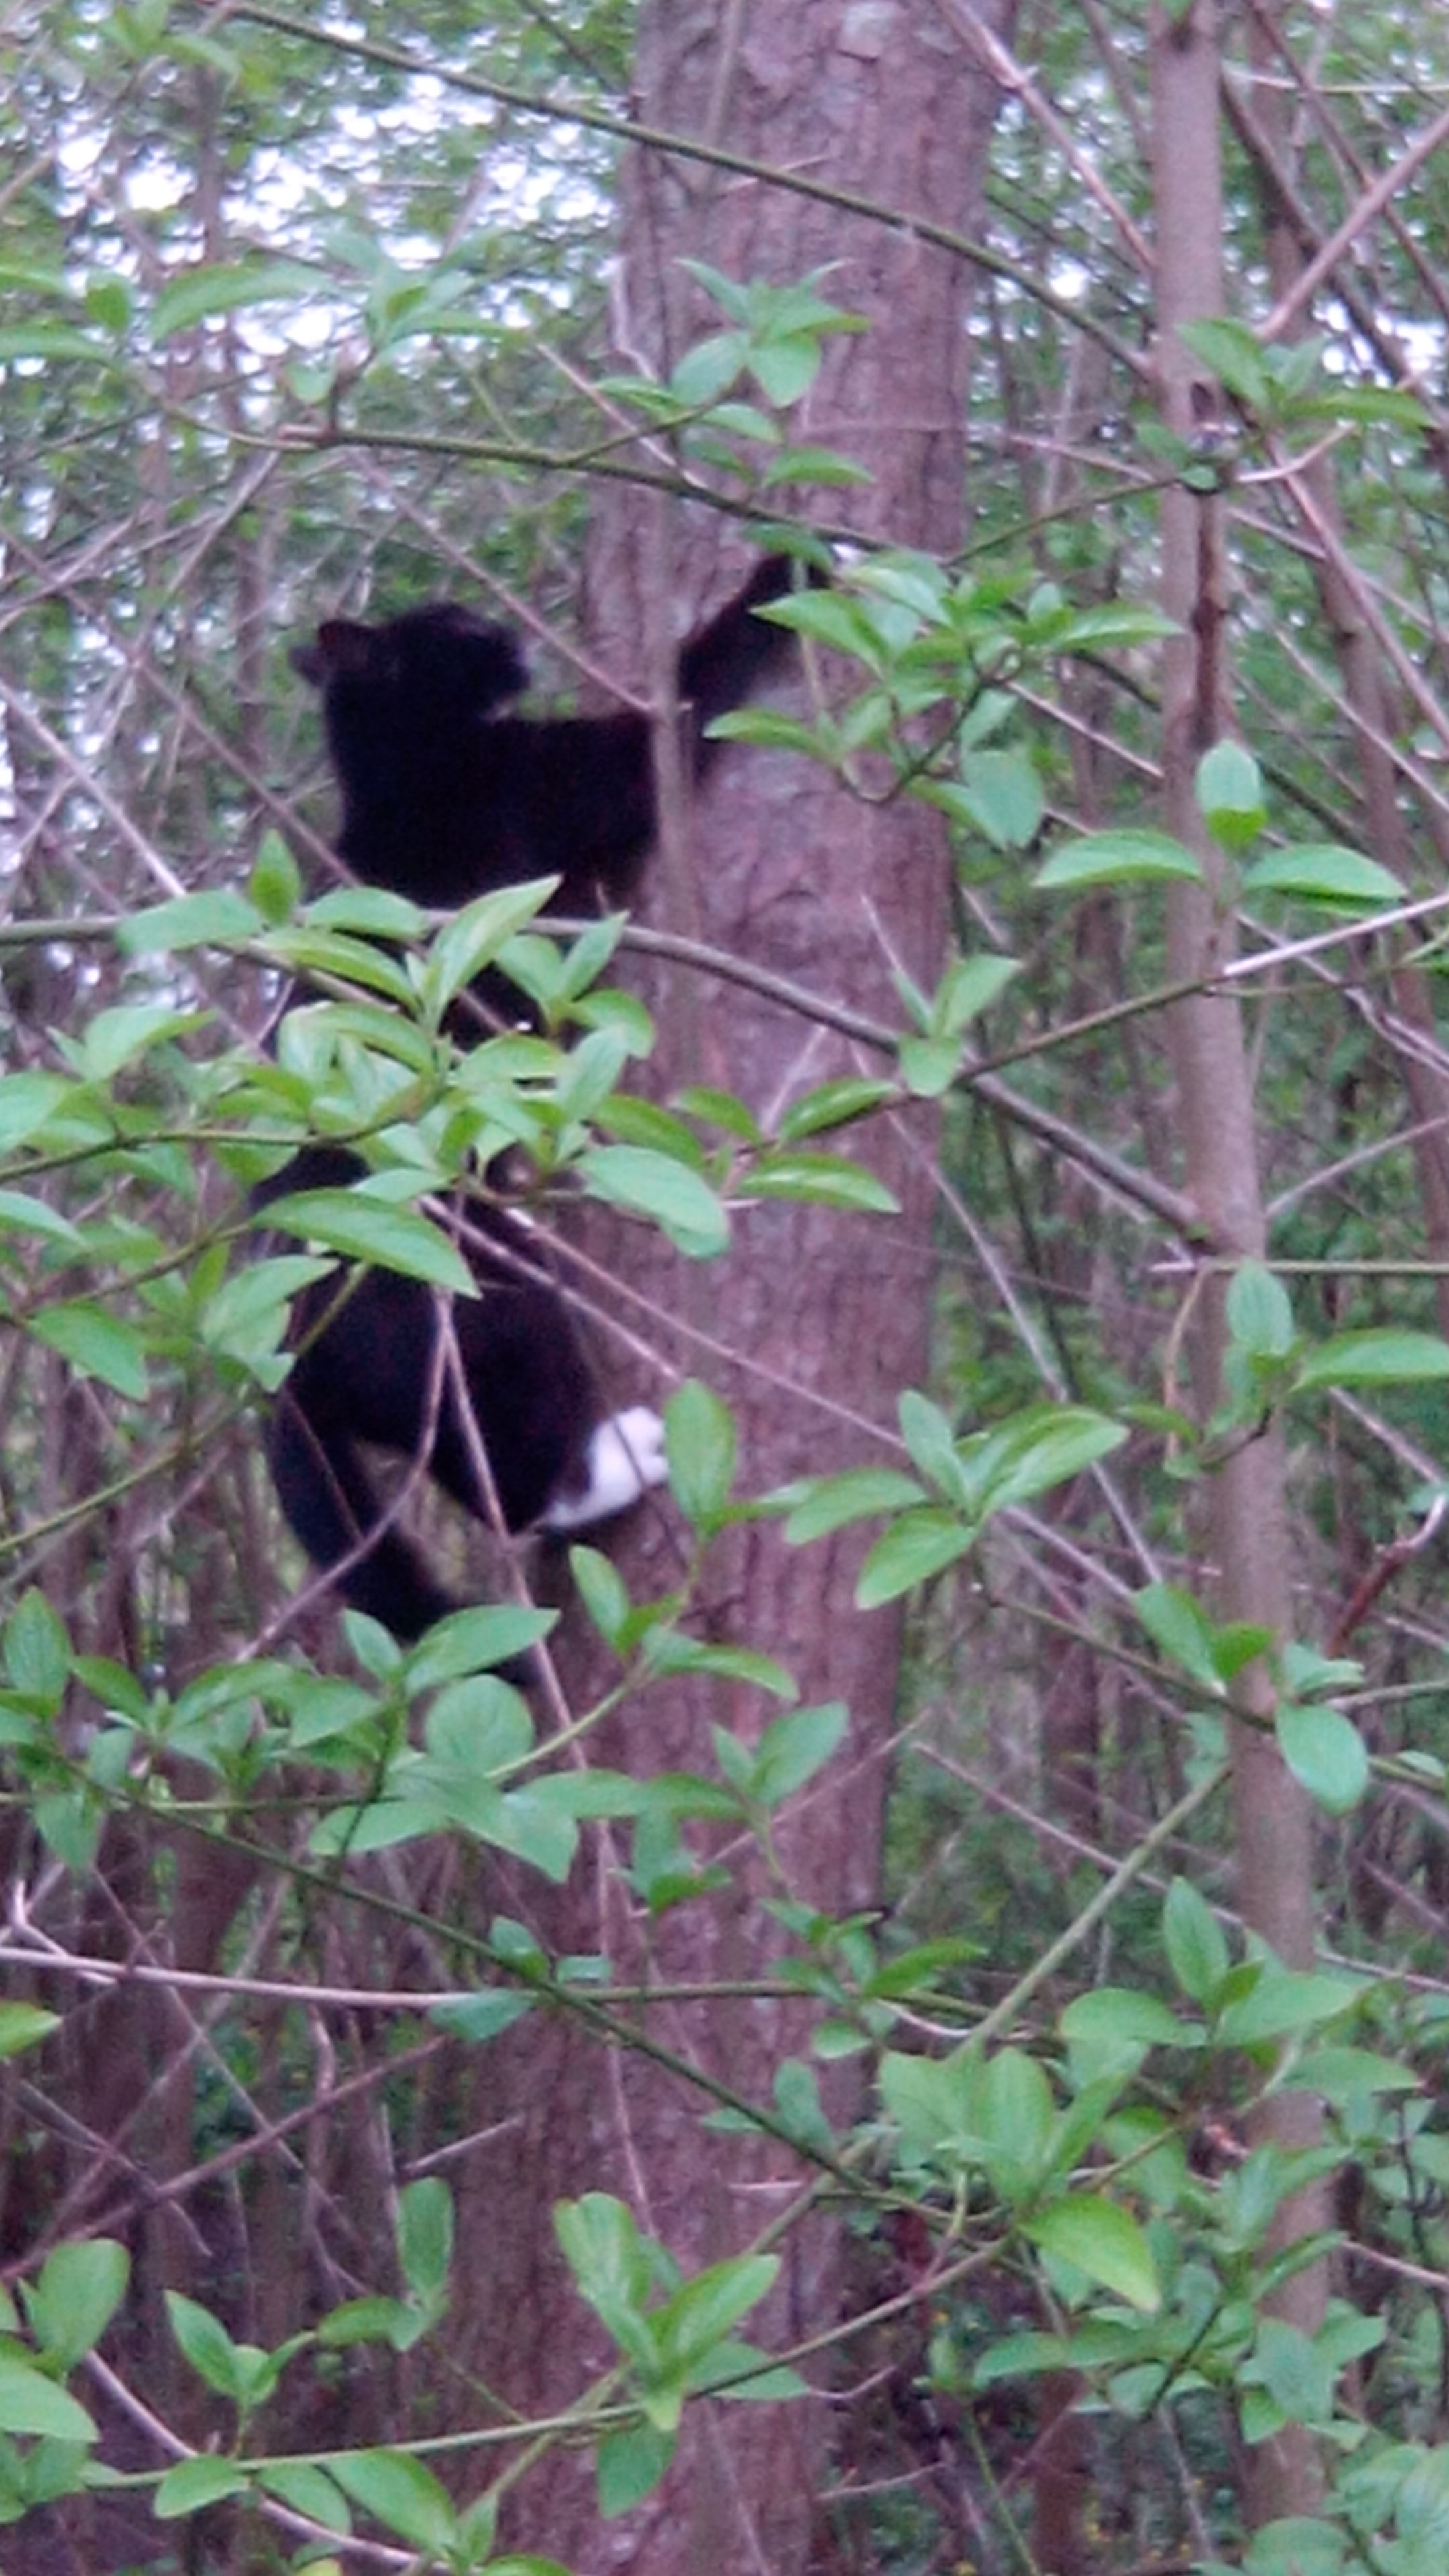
point(444, 798)
point(366, 1361)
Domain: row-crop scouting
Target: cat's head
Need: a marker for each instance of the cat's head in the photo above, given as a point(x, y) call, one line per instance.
point(441, 654)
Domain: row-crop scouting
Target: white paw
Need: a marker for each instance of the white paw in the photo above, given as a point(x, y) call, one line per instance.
point(625, 1456)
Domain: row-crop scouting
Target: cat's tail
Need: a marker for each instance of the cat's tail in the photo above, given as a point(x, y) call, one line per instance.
point(728, 659)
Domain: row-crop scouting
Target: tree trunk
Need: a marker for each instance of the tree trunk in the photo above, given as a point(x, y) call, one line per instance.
point(1245, 1499)
point(824, 1315)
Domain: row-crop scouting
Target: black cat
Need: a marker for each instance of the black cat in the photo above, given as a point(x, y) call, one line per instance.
point(444, 798)
point(366, 1370)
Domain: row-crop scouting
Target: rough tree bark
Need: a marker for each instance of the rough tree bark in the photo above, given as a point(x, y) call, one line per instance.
point(825, 1314)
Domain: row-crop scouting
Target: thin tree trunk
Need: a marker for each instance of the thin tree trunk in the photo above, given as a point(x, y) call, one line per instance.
point(1244, 1499)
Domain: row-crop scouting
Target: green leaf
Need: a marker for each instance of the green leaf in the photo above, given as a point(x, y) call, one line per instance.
point(1284, 2003)
point(630, 2466)
point(610, 2259)
point(309, 2490)
point(475, 936)
point(1260, 1312)
point(823, 1504)
point(968, 988)
point(479, 2018)
point(793, 1748)
point(833, 1104)
point(1325, 1751)
point(1230, 796)
point(1196, 1947)
point(51, 341)
point(275, 883)
point(1116, 858)
point(931, 2101)
point(425, 2236)
point(97, 1344)
point(1016, 2116)
point(79, 2290)
point(1121, 2016)
point(716, 1108)
point(919, 1545)
point(20, 1213)
point(1181, 1630)
point(823, 1180)
point(1105, 2242)
point(528, 2564)
point(1298, 2378)
point(1374, 1358)
point(1005, 795)
point(699, 1440)
point(929, 1066)
point(666, 1650)
point(931, 1441)
point(701, 2314)
point(1324, 873)
point(24, 2026)
point(474, 1640)
point(399, 2492)
point(197, 294)
point(194, 2484)
point(219, 919)
point(206, 2344)
point(603, 1592)
point(1296, 2545)
point(37, 1650)
point(31, 2403)
point(363, 1227)
point(1234, 353)
point(27, 1100)
point(116, 1036)
point(675, 1198)
point(1042, 1446)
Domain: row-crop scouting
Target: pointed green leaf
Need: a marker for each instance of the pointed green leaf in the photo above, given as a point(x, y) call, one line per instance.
point(1374, 1358)
point(198, 294)
point(399, 2492)
point(37, 1650)
point(699, 1439)
point(828, 1503)
point(363, 1227)
point(31, 2403)
point(80, 2287)
point(1324, 873)
point(219, 919)
point(653, 1185)
point(206, 2344)
point(24, 2026)
point(97, 1344)
point(1105, 2242)
point(917, 1546)
point(1325, 1751)
point(1197, 1950)
point(630, 2466)
point(194, 2484)
point(1115, 858)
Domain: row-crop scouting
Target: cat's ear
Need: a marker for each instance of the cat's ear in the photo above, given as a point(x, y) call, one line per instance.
point(341, 645)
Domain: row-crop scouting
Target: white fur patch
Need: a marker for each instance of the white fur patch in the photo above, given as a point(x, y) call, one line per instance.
point(625, 1456)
